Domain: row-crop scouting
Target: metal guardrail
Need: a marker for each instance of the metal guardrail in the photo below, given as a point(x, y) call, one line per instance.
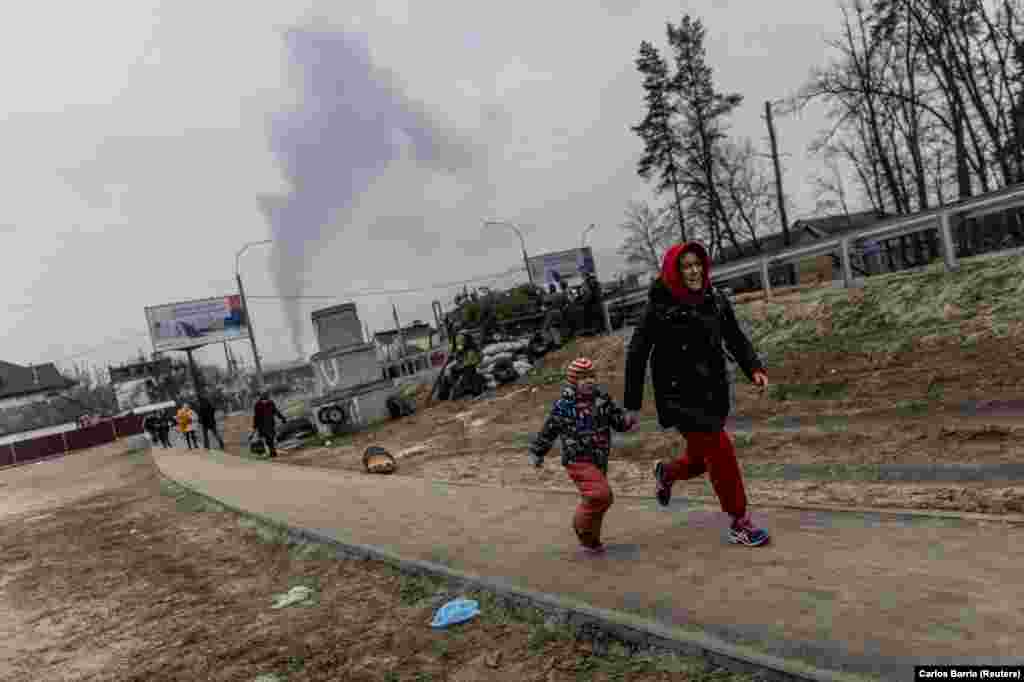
point(940, 218)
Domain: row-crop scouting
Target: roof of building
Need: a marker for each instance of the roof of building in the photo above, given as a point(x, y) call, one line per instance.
point(18, 380)
point(415, 329)
point(803, 231)
point(290, 366)
point(832, 226)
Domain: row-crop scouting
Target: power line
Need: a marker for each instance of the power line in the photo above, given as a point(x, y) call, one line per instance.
point(361, 293)
point(132, 338)
point(386, 292)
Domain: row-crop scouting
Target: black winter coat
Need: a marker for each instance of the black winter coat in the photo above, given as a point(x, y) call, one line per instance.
point(688, 367)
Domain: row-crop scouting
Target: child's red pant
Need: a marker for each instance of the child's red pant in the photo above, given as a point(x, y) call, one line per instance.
point(712, 453)
point(597, 498)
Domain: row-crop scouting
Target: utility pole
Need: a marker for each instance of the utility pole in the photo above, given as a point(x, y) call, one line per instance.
point(252, 337)
point(791, 272)
point(398, 328)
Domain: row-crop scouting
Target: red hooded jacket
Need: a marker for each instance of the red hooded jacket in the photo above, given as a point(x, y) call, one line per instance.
point(672, 276)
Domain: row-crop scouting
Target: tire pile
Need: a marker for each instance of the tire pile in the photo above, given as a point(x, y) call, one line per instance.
point(505, 362)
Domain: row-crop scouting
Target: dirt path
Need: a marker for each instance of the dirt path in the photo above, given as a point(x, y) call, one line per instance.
point(829, 589)
point(106, 577)
point(877, 460)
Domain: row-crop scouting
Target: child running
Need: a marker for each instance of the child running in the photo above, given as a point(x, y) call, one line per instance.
point(583, 417)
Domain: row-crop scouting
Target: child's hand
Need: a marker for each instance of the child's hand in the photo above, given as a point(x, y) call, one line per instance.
point(761, 379)
point(536, 461)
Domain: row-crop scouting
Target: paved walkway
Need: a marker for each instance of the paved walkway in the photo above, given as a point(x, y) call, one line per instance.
point(870, 593)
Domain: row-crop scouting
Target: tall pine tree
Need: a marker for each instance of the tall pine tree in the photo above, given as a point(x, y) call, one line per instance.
point(662, 147)
point(701, 129)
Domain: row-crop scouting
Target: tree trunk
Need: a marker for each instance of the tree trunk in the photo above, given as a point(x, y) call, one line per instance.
point(679, 206)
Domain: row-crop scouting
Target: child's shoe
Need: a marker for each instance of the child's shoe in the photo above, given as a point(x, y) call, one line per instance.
point(744, 532)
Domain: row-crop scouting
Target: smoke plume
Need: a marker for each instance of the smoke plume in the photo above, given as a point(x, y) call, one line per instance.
point(339, 138)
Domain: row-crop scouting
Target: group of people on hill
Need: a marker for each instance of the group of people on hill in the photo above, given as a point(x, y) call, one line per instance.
point(569, 313)
point(687, 328)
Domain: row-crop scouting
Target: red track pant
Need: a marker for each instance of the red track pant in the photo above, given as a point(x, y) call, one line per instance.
point(597, 497)
point(712, 453)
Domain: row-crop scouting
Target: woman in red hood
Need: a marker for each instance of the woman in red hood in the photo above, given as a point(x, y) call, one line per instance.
point(683, 330)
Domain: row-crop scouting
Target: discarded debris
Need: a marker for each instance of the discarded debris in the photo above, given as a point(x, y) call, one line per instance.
point(300, 594)
point(269, 677)
point(377, 460)
point(257, 445)
point(455, 611)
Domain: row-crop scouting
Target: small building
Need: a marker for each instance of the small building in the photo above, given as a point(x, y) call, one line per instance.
point(136, 383)
point(21, 385)
point(418, 337)
point(143, 369)
point(289, 373)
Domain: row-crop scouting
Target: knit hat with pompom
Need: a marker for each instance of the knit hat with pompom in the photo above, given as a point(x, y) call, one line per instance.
point(579, 368)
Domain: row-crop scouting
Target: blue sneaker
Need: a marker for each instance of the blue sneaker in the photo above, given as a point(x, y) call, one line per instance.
point(744, 532)
point(662, 489)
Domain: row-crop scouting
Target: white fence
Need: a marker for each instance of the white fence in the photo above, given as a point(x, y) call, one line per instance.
point(37, 433)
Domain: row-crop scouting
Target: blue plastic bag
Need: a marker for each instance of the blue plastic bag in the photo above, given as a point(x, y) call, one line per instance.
point(455, 611)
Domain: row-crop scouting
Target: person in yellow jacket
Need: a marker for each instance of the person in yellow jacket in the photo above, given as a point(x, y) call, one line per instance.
point(187, 425)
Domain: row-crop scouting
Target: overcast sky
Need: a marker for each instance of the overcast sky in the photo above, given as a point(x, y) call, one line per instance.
point(144, 145)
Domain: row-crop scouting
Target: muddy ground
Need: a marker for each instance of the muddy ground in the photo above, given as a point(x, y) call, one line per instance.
point(118, 576)
point(860, 414)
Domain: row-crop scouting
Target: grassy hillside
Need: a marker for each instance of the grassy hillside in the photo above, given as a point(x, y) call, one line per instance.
point(985, 298)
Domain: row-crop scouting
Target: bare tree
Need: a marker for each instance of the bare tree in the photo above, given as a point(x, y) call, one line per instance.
point(648, 234)
point(926, 98)
point(746, 190)
point(830, 190)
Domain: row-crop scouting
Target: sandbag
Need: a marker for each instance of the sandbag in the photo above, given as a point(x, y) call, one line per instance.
point(505, 372)
point(522, 367)
point(504, 355)
point(505, 347)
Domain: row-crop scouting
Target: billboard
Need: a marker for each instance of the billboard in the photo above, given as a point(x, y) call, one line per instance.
point(177, 326)
point(549, 268)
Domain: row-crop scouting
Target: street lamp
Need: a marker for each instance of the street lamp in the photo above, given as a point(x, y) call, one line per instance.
point(248, 314)
point(522, 242)
point(583, 236)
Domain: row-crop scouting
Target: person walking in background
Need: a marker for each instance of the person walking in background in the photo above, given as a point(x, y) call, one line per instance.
point(263, 415)
point(583, 418)
point(150, 424)
point(685, 324)
point(164, 421)
point(187, 425)
point(208, 421)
